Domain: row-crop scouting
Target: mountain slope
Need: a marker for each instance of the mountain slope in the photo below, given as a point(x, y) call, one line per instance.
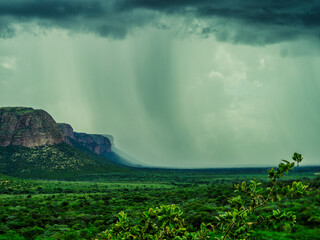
point(57, 161)
point(94, 142)
point(32, 145)
point(102, 145)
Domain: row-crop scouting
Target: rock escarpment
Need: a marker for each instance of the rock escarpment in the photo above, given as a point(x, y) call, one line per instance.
point(67, 131)
point(28, 127)
point(94, 142)
point(100, 144)
point(30, 138)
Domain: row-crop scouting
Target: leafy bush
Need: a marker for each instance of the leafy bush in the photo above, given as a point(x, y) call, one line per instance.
point(166, 222)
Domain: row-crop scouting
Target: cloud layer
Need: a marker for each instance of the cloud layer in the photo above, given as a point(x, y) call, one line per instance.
point(173, 91)
point(247, 21)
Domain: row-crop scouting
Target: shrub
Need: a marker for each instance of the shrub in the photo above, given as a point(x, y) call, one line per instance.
point(166, 222)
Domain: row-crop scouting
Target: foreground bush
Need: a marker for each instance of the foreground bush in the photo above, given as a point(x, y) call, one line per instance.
point(166, 222)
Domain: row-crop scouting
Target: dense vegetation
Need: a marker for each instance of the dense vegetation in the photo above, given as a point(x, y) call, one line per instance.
point(237, 223)
point(18, 110)
point(56, 161)
point(38, 209)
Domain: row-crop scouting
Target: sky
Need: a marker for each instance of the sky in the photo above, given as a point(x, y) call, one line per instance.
point(187, 84)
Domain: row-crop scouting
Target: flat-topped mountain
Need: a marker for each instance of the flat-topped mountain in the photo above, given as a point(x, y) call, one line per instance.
point(33, 145)
point(94, 142)
point(100, 144)
point(28, 127)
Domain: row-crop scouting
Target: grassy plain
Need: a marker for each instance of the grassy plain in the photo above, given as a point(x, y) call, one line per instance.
point(86, 205)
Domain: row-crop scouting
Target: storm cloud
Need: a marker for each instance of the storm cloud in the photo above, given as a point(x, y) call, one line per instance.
point(246, 22)
point(177, 83)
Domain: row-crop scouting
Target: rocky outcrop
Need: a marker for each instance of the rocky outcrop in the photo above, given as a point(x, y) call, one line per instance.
point(97, 143)
point(67, 131)
point(28, 127)
point(94, 142)
point(110, 137)
point(100, 144)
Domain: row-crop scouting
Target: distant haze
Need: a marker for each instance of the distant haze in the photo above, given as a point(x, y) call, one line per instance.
point(176, 83)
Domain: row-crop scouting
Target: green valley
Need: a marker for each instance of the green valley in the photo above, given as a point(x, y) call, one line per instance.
point(47, 209)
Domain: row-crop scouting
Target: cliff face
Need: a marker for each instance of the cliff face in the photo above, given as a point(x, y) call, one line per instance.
point(32, 143)
point(67, 131)
point(94, 142)
point(97, 143)
point(28, 127)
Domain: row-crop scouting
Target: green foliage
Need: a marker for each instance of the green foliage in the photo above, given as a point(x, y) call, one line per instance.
point(11, 235)
point(83, 209)
point(166, 222)
point(57, 161)
point(18, 110)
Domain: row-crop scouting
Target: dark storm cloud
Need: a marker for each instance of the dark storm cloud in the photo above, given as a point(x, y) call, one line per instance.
point(51, 9)
point(246, 21)
point(100, 17)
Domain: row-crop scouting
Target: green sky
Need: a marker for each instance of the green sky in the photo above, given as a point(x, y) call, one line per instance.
point(168, 95)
